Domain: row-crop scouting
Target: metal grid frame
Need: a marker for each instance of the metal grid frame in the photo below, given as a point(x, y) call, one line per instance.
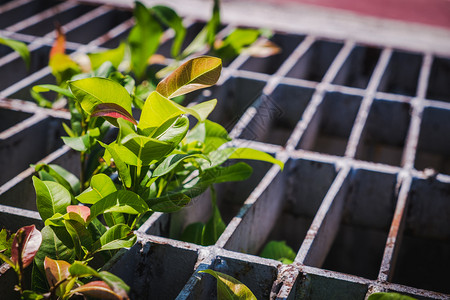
point(362, 128)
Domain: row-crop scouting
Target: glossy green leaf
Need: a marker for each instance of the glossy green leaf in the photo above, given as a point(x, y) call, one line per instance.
point(112, 112)
point(121, 201)
point(6, 240)
point(138, 150)
point(100, 187)
point(114, 282)
point(62, 176)
point(122, 168)
point(81, 237)
point(169, 203)
point(63, 67)
point(198, 45)
point(278, 250)
point(115, 56)
point(194, 74)
point(81, 269)
point(51, 198)
point(237, 172)
point(56, 271)
point(79, 143)
point(175, 131)
point(229, 288)
point(172, 161)
point(116, 237)
point(20, 47)
point(25, 245)
point(41, 88)
point(249, 153)
point(211, 134)
point(143, 38)
point(236, 41)
point(91, 92)
point(158, 109)
point(171, 19)
point(389, 296)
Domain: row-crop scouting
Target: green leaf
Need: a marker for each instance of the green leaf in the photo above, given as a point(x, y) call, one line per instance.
point(82, 211)
point(19, 47)
point(91, 92)
point(198, 44)
point(193, 233)
point(25, 245)
point(79, 143)
point(41, 88)
point(101, 186)
point(122, 168)
point(62, 176)
point(278, 250)
point(51, 198)
point(389, 296)
point(211, 134)
point(249, 153)
point(213, 24)
point(171, 19)
point(236, 41)
point(116, 237)
point(143, 38)
point(80, 269)
point(114, 282)
point(175, 133)
point(6, 240)
point(194, 74)
point(121, 201)
point(115, 56)
point(230, 288)
point(81, 237)
point(158, 109)
point(213, 228)
point(169, 203)
point(172, 161)
point(236, 172)
point(112, 112)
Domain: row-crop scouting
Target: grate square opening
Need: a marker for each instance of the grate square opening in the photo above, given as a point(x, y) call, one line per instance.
point(384, 135)
point(277, 114)
point(401, 74)
point(438, 84)
point(332, 124)
point(358, 67)
point(11, 117)
point(368, 210)
point(269, 65)
point(432, 148)
point(423, 259)
point(25, 93)
point(147, 268)
point(315, 62)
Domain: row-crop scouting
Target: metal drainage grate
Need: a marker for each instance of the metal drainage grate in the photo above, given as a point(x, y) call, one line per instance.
point(363, 129)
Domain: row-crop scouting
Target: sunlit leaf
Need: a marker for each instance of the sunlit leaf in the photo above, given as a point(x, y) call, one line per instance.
point(62, 176)
point(19, 47)
point(236, 172)
point(236, 41)
point(116, 237)
point(63, 67)
point(213, 24)
point(91, 92)
point(172, 161)
point(194, 74)
point(42, 88)
point(79, 143)
point(51, 198)
point(169, 203)
point(138, 150)
point(122, 168)
point(121, 201)
point(229, 288)
point(25, 245)
point(6, 240)
point(114, 282)
point(249, 153)
point(278, 250)
point(101, 186)
point(81, 237)
point(265, 48)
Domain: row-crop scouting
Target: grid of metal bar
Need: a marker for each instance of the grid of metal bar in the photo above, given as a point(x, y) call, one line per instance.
point(363, 129)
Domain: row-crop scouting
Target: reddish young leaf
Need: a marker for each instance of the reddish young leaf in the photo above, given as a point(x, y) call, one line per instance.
point(59, 46)
point(82, 210)
point(25, 245)
point(98, 289)
point(111, 112)
point(56, 270)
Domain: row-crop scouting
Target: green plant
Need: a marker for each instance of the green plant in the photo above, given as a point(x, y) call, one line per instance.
point(19, 47)
point(229, 288)
point(389, 296)
point(278, 250)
